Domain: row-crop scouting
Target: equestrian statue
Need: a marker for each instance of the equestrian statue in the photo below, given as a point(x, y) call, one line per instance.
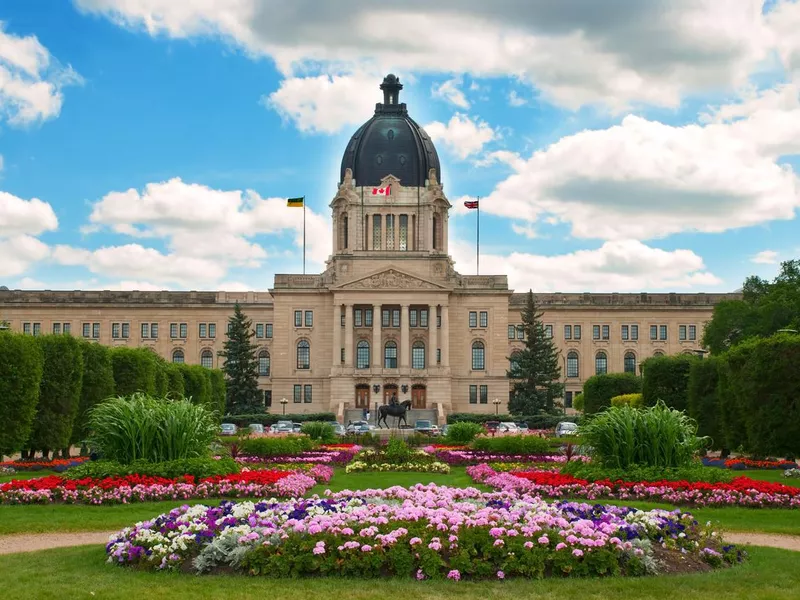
point(393, 409)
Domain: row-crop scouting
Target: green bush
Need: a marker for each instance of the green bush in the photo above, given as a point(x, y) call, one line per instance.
point(134, 371)
point(513, 444)
point(140, 427)
point(578, 402)
point(97, 385)
point(217, 380)
point(600, 389)
point(197, 385)
point(397, 452)
point(197, 467)
point(657, 436)
point(462, 433)
point(162, 377)
point(634, 400)
point(175, 385)
point(59, 393)
point(532, 421)
point(276, 446)
point(21, 366)
point(731, 412)
point(319, 432)
point(701, 399)
point(267, 419)
point(666, 378)
point(693, 472)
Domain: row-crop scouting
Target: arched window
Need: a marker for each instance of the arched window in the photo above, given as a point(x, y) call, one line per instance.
point(630, 363)
point(658, 353)
point(345, 232)
point(436, 232)
point(263, 363)
point(207, 359)
point(177, 356)
point(478, 356)
point(362, 354)
point(390, 355)
point(418, 355)
point(572, 364)
point(303, 354)
point(514, 361)
point(600, 363)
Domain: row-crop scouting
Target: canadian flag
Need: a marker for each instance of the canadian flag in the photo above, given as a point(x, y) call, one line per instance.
point(382, 191)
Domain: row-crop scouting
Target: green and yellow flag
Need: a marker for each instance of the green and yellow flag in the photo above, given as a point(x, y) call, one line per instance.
point(296, 202)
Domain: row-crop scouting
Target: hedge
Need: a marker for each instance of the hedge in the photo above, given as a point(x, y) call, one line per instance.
point(666, 378)
point(175, 384)
point(59, 393)
point(532, 421)
point(701, 399)
point(21, 367)
point(134, 371)
point(197, 385)
point(267, 419)
point(97, 385)
point(599, 389)
point(730, 414)
point(217, 378)
point(634, 400)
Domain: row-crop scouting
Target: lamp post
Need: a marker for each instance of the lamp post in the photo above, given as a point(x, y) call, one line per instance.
point(284, 402)
point(496, 403)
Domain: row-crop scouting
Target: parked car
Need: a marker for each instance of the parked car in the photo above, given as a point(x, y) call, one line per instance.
point(445, 427)
point(523, 427)
point(297, 427)
point(256, 428)
point(425, 427)
point(227, 429)
point(358, 427)
point(338, 428)
point(566, 428)
point(491, 426)
point(508, 427)
point(283, 427)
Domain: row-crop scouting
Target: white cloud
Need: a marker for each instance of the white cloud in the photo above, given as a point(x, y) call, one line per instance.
point(18, 216)
point(463, 135)
point(765, 257)
point(515, 99)
point(28, 283)
point(449, 91)
point(31, 80)
point(619, 266)
point(525, 230)
point(1, 162)
point(19, 252)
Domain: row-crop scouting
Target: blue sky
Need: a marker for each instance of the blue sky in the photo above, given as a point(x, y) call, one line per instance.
point(150, 145)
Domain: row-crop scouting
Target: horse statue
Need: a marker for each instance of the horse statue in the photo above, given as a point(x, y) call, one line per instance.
point(393, 410)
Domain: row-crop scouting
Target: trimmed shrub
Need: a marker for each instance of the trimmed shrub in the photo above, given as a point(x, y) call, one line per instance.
point(463, 433)
point(276, 446)
point(141, 427)
point(701, 399)
point(732, 417)
point(319, 432)
point(21, 366)
point(600, 389)
point(267, 419)
point(97, 385)
point(658, 436)
point(59, 393)
point(633, 400)
point(197, 467)
point(693, 472)
point(666, 378)
point(578, 402)
point(513, 444)
point(162, 379)
point(197, 385)
point(175, 385)
point(217, 380)
point(134, 371)
point(532, 421)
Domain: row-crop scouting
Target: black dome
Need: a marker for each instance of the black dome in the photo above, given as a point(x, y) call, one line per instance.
point(391, 142)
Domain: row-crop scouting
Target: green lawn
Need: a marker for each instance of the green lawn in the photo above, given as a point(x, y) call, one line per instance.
point(26, 475)
point(363, 481)
point(82, 573)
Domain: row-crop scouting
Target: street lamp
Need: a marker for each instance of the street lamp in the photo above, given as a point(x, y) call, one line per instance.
point(496, 403)
point(284, 402)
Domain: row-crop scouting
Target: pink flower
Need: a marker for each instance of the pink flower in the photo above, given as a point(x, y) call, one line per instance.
point(501, 575)
point(414, 541)
point(544, 540)
point(366, 548)
point(577, 552)
point(454, 575)
point(528, 545)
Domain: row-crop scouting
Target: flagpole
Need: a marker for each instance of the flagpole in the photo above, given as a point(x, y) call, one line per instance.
point(478, 235)
point(304, 235)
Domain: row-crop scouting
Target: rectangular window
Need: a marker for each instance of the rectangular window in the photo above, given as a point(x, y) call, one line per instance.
point(484, 318)
point(548, 331)
point(484, 394)
point(438, 356)
point(473, 394)
point(423, 318)
point(228, 329)
point(267, 331)
point(653, 332)
point(634, 332)
point(307, 394)
point(357, 317)
point(145, 327)
point(298, 392)
point(298, 318)
point(682, 333)
point(202, 330)
point(412, 318)
point(576, 331)
point(57, 328)
point(37, 329)
point(95, 330)
point(26, 329)
point(309, 318)
point(342, 319)
point(86, 329)
point(606, 332)
point(386, 316)
point(212, 330)
point(173, 330)
point(512, 331)
point(390, 232)
point(115, 330)
point(259, 330)
point(692, 331)
point(567, 332)
point(67, 328)
point(404, 232)
point(473, 319)
point(154, 331)
point(662, 332)
point(184, 331)
point(624, 333)
point(368, 317)
point(376, 232)
point(396, 318)
point(267, 398)
point(438, 321)
point(126, 331)
point(520, 332)
point(341, 358)
point(595, 332)
point(567, 399)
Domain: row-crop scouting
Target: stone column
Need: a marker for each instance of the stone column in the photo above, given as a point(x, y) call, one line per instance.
point(433, 337)
point(405, 334)
point(445, 337)
point(377, 347)
point(337, 334)
point(348, 336)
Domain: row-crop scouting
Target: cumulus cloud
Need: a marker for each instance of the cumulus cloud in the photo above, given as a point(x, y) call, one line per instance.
point(462, 135)
point(31, 80)
point(19, 252)
point(765, 257)
point(514, 99)
point(20, 221)
point(450, 91)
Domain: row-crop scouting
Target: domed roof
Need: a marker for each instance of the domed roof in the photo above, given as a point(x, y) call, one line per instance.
point(391, 142)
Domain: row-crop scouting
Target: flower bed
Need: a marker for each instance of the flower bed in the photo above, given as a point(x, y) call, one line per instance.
point(423, 532)
point(742, 491)
point(468, 457)
point(358, 466)
point(58, 465)
point(340, 456)
point(792, 473)
point(740, 464)
point(137, 488)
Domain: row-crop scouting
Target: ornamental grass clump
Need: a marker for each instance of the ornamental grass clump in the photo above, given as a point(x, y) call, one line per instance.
point(319, 432)
point(623, 436)
point(140, 427)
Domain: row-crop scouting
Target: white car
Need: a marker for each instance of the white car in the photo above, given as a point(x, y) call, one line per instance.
point(508, 427)
point(566, 429)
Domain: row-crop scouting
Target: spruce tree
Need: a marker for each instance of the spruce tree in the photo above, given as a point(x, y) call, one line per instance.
point(241, 366)
point(536, 369)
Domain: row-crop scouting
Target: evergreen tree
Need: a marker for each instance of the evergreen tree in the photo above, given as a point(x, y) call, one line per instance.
point(241, 366)
point(536, 369)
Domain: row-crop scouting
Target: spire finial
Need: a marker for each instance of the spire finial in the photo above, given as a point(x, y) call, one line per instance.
point(391, 87)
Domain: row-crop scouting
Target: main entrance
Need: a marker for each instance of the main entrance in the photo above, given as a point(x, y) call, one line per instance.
point(362, 396)
point(418, 399)
point(390, 390)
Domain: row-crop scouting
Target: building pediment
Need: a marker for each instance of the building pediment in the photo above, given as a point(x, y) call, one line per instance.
point(390, 279)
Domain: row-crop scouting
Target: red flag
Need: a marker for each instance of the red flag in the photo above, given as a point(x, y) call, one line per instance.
point(471, 204)
point(381, 191)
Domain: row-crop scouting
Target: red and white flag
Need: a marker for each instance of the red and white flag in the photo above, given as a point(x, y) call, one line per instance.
point(471, 204)
point(382, 191)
